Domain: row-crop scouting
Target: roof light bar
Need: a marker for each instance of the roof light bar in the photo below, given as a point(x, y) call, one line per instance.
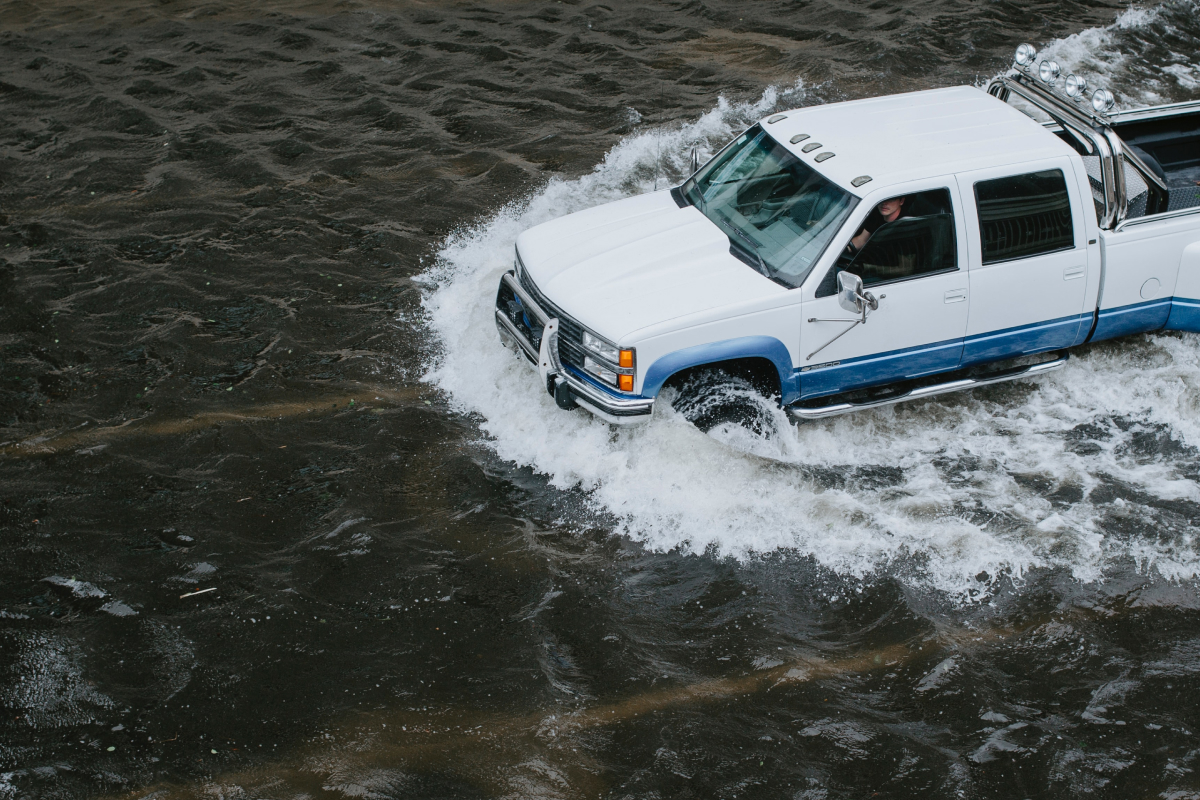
point(1075, 87)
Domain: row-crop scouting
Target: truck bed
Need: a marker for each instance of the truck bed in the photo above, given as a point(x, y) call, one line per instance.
point(1168, 139)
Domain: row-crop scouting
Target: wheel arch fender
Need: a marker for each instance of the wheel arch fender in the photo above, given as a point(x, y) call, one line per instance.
point(764, 347)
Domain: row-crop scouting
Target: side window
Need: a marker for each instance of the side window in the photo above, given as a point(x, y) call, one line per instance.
point(902, 238)
point(1024, 215)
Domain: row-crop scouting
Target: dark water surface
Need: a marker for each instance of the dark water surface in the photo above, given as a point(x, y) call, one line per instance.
point(214, 337)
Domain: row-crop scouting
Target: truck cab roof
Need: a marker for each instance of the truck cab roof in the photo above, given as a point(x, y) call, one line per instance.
point(907, 137)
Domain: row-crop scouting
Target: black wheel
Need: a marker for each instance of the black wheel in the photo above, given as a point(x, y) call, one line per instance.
point(711, 397)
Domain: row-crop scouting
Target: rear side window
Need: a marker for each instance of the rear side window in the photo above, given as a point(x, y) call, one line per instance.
point(1024, 215)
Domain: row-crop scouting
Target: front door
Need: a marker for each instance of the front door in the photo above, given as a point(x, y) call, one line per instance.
point(1029, 261)
point(912, 266)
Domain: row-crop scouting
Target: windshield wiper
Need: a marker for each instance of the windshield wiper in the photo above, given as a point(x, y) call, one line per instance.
point(753, 249)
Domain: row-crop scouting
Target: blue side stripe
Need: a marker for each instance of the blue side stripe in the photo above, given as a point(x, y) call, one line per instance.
point(876, 368)
point(873, 357)
point(1039, 337)
point(1133, 308)
point(914, 362)
point(1185, 315)
point(1133, 318)
point(1037, 326)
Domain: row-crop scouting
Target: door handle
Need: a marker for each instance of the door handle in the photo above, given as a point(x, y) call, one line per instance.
point(1071, 273)
point(956, 295)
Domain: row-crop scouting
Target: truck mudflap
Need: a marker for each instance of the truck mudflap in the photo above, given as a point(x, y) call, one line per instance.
point(533, 333)
point(956, 382)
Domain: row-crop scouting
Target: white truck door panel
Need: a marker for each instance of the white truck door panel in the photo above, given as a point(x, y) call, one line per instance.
point(1031, 303)
point(916, 330)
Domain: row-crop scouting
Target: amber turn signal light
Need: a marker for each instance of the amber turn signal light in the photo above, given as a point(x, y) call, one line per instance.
point(625, 382)
point(627, 359)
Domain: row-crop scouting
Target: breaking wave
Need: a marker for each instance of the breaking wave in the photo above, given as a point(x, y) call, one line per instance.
point(1146, 57)
point(1088, 471)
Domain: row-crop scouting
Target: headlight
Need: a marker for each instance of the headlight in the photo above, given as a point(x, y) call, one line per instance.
point(599, 370)
point(613, 365)
point(607, 351)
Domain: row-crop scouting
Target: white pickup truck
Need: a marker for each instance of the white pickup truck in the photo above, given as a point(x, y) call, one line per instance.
point(1007, 240)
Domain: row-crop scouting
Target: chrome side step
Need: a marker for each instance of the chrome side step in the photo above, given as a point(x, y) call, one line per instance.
point(820, 412)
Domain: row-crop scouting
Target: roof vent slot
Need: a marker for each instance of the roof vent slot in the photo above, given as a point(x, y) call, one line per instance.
point(860, 180)
point(824, 156)
point(808, 148)
point(776, 118)
point(799, 137)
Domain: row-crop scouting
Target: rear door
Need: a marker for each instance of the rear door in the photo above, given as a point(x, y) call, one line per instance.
point(915, 267)
point(1029, 260)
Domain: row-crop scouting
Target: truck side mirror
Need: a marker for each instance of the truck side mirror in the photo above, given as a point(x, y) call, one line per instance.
point(850, 289)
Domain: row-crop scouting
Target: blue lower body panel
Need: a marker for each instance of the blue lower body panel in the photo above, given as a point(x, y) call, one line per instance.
point(872, 370)
point(1055, 334)
point(1136, 318)
point(1172, 313)
point(1185, 315)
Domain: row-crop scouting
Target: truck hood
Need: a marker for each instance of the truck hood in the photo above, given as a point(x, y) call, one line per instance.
point(623, 266)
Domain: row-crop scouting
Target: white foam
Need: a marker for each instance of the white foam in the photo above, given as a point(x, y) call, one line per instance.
point(1112, 56)
point(962, 501)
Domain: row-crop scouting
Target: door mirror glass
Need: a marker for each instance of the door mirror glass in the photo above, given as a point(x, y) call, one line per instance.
point(850, 288)
point(907, 248)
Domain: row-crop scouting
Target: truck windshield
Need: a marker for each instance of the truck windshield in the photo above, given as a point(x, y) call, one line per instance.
point(779, 212)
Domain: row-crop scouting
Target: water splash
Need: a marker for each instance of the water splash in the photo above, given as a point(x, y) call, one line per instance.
point(1147, 56)
point(1087, 471)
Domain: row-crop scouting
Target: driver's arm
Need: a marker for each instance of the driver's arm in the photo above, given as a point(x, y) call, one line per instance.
point(860, 239)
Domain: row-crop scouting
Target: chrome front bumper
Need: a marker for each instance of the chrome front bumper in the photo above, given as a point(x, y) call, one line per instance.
point(558, 379)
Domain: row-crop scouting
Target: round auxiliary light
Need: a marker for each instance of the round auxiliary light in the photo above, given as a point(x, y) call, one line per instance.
point(1048, 72)
point(1102, 100)
point(1076, 86)
point(1026, 55)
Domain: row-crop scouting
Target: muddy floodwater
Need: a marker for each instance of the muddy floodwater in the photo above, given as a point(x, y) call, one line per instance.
point(281, 518)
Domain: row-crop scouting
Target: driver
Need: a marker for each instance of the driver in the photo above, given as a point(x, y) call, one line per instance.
point(887, 211)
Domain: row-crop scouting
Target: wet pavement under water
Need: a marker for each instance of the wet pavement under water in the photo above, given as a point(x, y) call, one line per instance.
point(217, 227)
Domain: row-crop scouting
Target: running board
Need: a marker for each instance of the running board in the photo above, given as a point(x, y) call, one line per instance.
point(820, 412)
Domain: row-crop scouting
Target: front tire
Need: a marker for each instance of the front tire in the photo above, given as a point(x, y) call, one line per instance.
point(711, 397)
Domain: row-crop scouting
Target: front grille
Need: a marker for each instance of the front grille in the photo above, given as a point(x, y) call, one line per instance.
point(570, 332)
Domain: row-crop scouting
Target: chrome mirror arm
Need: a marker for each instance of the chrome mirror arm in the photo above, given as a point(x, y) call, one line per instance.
point(867, 301)
point(854, 324)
